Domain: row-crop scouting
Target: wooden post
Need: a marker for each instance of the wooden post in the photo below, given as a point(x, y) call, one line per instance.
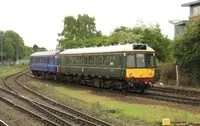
point(177, 76)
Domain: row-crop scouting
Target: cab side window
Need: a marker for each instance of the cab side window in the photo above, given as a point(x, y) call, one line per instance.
point(131, 61)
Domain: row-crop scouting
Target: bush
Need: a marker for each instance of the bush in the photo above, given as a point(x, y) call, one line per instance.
point(167, 75)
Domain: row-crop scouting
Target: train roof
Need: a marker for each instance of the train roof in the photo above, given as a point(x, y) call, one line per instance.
point(107, 49)
point(45, 53)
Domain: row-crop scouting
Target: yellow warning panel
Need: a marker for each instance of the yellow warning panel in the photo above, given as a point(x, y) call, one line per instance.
point(140, 73)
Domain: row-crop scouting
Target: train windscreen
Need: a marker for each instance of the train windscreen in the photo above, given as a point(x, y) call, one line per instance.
point(141, 60)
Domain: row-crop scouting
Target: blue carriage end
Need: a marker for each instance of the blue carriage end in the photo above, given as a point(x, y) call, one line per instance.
point(44, 61)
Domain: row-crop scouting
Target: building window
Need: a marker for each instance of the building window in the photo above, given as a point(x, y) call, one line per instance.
point(177, 31)
point(196, 10)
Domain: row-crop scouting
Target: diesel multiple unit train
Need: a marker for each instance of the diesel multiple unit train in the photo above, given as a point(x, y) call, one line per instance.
point(117, 67)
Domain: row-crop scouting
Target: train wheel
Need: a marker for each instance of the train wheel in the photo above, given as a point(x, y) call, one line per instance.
point(96, 82)
point(142, 88)
point(54, 77)
point(75, 79)
point(125, 90)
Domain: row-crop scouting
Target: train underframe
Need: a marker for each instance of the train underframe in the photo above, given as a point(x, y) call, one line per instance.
point(122, 84)
point(44, 74)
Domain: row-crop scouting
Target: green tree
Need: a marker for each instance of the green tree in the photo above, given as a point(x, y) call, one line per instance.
point(13, 47)
point(35, 48)
point(15, 44)
point(76, 32)
point(81, 32)
point(1, 44)
point(28, 52)
point(124, 35)
point(42, 49)
point(161, 44)
point(8, 50)
point(187, 51)
point(86, 27)
point(150, 35)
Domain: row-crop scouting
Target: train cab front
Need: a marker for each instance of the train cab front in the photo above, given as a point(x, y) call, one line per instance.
point(140, 79)
point(140, 71)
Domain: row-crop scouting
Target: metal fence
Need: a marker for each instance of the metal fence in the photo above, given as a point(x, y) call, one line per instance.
point(19, 62)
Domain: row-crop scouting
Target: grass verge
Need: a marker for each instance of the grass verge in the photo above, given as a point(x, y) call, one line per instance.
point(113, 109)
point(7, 70)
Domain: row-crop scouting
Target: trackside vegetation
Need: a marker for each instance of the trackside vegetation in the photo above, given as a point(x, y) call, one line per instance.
point(113, 108)
point(7, 70)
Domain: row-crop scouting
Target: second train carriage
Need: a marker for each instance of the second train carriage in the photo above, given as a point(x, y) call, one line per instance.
point(124, 67)
point(44, 64)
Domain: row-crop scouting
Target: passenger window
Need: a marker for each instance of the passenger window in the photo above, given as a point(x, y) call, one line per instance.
point(131, 61)
point(83, 60)
point(68, 60)
point(76, 60)
point(88, 60)
point(47, 60)
point(100, 60)
point(111, 61)
point(51, 61)
point(80, 60)
point(105, 60)
point(71, 61)
point(91, 60)
point(97, 61)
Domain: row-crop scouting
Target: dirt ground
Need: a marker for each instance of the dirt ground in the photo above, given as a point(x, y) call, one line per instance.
point(14, 117)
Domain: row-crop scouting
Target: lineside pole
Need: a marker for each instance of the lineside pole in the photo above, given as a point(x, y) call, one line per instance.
point(177, 76)
point(1, 39)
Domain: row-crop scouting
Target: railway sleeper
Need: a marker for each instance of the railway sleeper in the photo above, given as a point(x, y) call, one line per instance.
point(27, 111)
point(67, 115)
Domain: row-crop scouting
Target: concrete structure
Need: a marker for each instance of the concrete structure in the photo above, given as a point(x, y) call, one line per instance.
point(179, 25)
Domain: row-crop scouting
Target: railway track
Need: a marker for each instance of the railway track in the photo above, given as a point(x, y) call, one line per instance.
point(158, 96)
point(23, 109)
point(58, 112)
point(153, 94)
point(184, 92)
point(172, 98)
point(26, 105)
point(2, 123)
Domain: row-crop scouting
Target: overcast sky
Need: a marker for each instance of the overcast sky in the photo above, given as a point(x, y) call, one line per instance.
point(39, 21)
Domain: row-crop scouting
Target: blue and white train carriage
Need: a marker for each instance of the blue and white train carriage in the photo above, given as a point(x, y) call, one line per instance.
point(44, 63)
